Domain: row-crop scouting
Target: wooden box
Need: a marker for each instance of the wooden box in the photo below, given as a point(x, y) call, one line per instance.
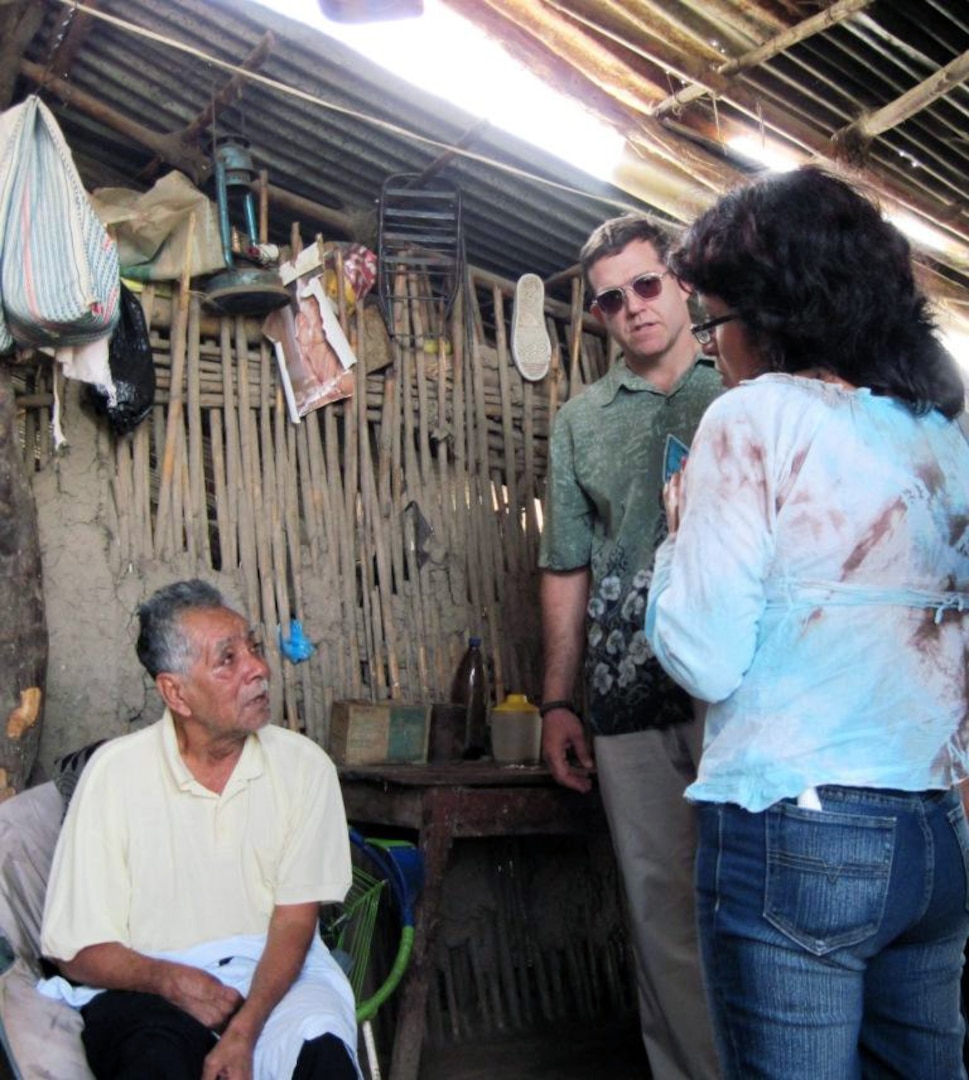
point(364, 733)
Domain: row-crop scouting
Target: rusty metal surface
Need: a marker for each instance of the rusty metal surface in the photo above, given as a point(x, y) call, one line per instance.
point(808, 95)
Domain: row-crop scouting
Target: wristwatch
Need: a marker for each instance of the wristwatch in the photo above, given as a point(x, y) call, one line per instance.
point(549, 706)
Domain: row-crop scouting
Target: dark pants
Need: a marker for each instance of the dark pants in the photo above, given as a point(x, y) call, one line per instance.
point(133, 1036)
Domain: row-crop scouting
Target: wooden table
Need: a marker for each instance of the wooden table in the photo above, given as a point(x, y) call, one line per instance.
point(444, 802)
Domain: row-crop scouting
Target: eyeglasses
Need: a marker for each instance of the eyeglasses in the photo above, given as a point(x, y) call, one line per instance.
point(703, 331)
point(646, 287)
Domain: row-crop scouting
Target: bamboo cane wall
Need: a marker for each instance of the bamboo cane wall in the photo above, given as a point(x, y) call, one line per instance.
point(392, 524)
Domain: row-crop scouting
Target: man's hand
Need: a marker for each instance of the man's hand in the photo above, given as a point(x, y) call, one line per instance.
point(562, 731)
point(200, 994)
point(230, 1059)
point(114, 966)
point(291, 929)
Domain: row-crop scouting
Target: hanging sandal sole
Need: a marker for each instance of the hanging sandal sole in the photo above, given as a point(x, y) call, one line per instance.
point(530, 347)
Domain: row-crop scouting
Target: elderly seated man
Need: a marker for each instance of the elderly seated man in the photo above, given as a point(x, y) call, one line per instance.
point(187, 880)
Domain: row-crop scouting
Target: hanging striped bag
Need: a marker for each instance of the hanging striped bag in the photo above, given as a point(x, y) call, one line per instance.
point(11, 124)
point(59, 275)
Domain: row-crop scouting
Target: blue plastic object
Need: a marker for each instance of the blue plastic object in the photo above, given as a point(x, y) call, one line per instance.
point(297, 647)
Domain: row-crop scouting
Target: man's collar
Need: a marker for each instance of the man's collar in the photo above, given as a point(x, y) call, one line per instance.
point(250, 764)
point(621, 376)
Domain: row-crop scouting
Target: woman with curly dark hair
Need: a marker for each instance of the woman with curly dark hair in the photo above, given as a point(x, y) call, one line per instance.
point(815, 591)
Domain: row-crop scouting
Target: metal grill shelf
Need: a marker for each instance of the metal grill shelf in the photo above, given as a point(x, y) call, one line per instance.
point(420, 249)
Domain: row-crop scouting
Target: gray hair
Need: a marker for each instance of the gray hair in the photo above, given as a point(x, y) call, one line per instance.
point(162, 643)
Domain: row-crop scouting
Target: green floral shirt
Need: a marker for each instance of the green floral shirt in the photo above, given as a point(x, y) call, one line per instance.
point(604, 509)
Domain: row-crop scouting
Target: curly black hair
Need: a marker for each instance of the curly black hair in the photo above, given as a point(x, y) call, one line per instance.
point(822, 280)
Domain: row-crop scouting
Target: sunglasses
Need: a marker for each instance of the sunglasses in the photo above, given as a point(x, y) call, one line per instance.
point(646, 287)
point(703, 331)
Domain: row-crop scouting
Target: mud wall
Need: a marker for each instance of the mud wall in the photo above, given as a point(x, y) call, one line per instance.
point(391, 524)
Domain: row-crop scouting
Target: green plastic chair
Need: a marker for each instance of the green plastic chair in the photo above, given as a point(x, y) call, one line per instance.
point(387, 878)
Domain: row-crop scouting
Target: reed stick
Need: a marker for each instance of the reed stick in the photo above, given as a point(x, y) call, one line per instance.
point(178, 349)
point(234, 502)
point(575, 336)
point(347, 562)
point(308, 494)
point(198, 497)
point(248, 542)
point(511, 529)
point(217, 447)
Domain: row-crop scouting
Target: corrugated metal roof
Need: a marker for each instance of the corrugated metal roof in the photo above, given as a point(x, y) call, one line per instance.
point(873, 85)
point(335, 158)
point(824, 91)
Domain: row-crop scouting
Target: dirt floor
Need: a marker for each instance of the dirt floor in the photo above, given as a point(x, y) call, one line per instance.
point(566, 1055)
point(612, 1050)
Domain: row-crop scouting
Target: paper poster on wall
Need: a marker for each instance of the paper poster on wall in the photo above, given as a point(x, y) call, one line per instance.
point(315, 359)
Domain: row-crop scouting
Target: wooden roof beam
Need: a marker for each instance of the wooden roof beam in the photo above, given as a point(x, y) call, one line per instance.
point(179, 148)
point(195, 128)
point(170, 148)
point(19, 22)
point(189, 159)
point(952, 217)
point(816, 24)
point(356, 225)
point(595, 62)
point(674, 55)
point(74, 30)
point(869, 125)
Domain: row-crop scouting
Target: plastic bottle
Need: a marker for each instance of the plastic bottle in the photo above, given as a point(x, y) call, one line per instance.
point(471, 690)
point(516, 731)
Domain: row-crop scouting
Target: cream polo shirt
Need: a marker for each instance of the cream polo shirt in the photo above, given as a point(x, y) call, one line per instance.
point(150, 858)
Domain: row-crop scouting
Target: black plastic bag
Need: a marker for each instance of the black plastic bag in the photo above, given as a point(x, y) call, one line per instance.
point(132, 369)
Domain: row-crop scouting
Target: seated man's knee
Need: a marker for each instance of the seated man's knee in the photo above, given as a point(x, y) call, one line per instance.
point(325, 1058)
point(131, 1034)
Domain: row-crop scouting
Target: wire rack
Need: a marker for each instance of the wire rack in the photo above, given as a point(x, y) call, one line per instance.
point(421, 253)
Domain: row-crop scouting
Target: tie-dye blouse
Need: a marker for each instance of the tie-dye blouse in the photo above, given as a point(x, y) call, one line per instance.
point(817, 593)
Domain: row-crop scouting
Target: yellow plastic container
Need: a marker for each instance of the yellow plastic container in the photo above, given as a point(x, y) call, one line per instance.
point(516, 732)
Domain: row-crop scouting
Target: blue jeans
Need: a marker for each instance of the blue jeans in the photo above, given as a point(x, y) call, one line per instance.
point(832, 940)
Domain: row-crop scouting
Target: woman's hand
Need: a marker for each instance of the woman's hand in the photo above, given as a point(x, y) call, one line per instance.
point(673, 499)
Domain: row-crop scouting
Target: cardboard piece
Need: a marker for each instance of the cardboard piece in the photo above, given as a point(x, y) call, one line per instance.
point(365, 733)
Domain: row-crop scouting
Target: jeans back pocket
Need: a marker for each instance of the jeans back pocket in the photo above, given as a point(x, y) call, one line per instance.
point(828, 875)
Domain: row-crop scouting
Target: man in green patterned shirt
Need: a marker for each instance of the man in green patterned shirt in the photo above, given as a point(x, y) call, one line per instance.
point(604, 519)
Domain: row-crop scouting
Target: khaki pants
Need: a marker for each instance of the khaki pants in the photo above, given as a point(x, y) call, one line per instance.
point(642, 777)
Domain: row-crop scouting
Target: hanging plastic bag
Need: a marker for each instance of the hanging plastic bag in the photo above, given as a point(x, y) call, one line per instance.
point(59, 278)
point(132, 370)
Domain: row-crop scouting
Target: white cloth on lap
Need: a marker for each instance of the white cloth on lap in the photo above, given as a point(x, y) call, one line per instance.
point(320, 1002)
